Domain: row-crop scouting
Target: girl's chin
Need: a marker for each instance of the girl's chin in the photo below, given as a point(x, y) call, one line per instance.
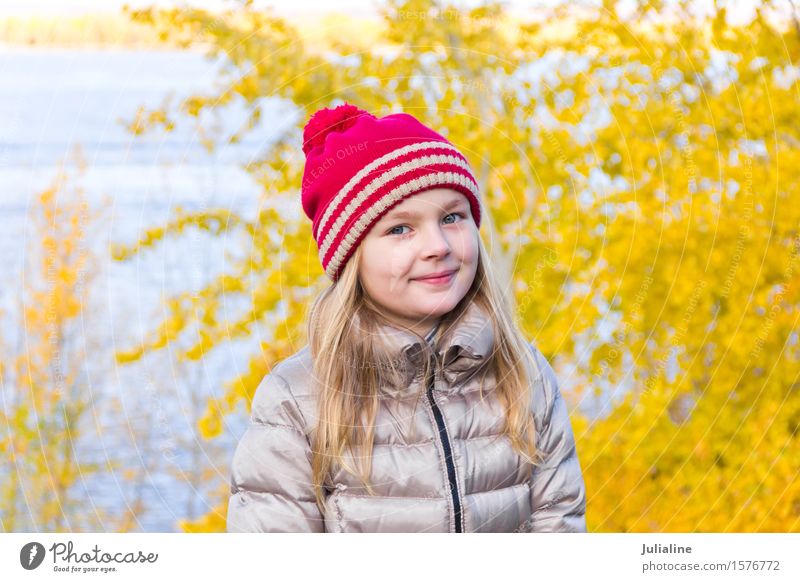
point(435, 310)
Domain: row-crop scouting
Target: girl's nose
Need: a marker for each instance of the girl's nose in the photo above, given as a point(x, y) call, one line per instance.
point(435, 242)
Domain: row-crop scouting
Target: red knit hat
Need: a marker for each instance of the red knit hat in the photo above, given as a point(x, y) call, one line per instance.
point(359, 166)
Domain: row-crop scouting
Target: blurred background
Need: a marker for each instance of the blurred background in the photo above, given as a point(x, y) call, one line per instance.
point(640, 162)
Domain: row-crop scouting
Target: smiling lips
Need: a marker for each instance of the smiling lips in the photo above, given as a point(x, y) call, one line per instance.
point(438, 278)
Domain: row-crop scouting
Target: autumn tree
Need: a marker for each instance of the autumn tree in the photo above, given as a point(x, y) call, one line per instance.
point(45, 373)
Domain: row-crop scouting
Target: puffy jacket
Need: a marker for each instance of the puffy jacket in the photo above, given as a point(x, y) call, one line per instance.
point(453, 473)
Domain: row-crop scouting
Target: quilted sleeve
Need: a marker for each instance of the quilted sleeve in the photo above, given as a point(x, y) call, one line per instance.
point(558, 493)
point(271, 488)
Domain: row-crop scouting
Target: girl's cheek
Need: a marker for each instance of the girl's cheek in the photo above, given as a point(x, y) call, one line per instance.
point(398, 262)
point(469, 247)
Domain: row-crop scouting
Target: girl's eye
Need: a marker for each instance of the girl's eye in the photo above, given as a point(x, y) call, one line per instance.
point(455, 214)
point(392, 230)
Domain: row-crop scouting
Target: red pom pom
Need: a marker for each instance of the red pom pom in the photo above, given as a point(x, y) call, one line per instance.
point(327, 120)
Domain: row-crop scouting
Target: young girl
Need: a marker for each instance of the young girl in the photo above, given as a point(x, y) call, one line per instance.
point(417, 405)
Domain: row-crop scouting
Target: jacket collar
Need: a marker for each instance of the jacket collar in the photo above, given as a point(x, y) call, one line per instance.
point(458, 353)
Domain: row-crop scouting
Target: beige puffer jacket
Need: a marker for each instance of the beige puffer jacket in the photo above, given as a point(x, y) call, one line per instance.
point(454, 476)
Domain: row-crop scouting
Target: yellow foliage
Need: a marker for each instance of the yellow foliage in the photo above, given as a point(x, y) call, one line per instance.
point(210, 425)
point(642, 193)
point(43, 400)
point(211, 522)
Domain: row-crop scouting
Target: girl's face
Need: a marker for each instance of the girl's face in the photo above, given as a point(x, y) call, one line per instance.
point(428, 233)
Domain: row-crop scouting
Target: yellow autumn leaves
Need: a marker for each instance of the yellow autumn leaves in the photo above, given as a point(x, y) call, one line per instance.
point(642, 174)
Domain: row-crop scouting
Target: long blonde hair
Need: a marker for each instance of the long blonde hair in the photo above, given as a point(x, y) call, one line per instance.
point(350, 369)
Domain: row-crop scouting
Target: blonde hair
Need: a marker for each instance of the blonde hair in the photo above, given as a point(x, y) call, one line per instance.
point(350, 369)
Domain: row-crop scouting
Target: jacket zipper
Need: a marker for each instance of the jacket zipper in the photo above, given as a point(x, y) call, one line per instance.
point(448, 453)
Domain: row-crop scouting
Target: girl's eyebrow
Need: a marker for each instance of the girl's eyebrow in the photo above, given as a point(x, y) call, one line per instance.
point(409, 214)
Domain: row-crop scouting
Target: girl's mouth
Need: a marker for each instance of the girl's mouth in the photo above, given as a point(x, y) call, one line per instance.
point(439, 281)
